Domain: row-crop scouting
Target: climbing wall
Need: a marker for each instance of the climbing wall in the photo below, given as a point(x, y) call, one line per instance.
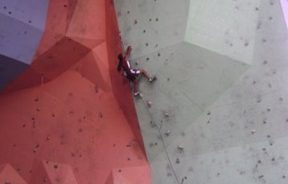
point(69, 117)
point(21, 27)
point(284, 5)
point(217, 113)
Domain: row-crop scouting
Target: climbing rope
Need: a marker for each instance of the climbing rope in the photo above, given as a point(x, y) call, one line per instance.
point(148, 105)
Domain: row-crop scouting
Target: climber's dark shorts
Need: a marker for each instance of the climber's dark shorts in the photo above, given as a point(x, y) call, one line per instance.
point(132, 74)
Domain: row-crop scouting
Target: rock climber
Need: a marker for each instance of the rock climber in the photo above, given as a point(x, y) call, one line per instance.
point(132, 74)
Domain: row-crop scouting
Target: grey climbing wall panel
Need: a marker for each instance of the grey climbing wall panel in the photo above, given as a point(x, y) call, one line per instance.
point(218, 112)
point(230, 30)
point(150, 25)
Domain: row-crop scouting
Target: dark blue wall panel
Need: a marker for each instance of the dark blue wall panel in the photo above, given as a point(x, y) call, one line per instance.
point(9, 70)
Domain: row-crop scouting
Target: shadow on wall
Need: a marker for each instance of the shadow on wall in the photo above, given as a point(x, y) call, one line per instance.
point(120, 85)
point(58, 53)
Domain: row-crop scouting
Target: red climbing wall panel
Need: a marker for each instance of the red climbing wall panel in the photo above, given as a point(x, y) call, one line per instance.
point(70, 117)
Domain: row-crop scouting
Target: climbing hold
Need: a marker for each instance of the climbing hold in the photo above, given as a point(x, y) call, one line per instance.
point(149, 103)
point(180, 148)
point(167, 133)
point(153, 125)
point(166, 114)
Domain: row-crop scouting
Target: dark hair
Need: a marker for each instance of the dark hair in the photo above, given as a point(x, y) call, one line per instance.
point(120, 56)
point(120, 62)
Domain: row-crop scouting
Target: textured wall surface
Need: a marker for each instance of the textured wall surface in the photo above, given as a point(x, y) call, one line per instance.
point(21, 27)
point(218, 110)
point(230, 30)
point(69, 118)
point(217, 113)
